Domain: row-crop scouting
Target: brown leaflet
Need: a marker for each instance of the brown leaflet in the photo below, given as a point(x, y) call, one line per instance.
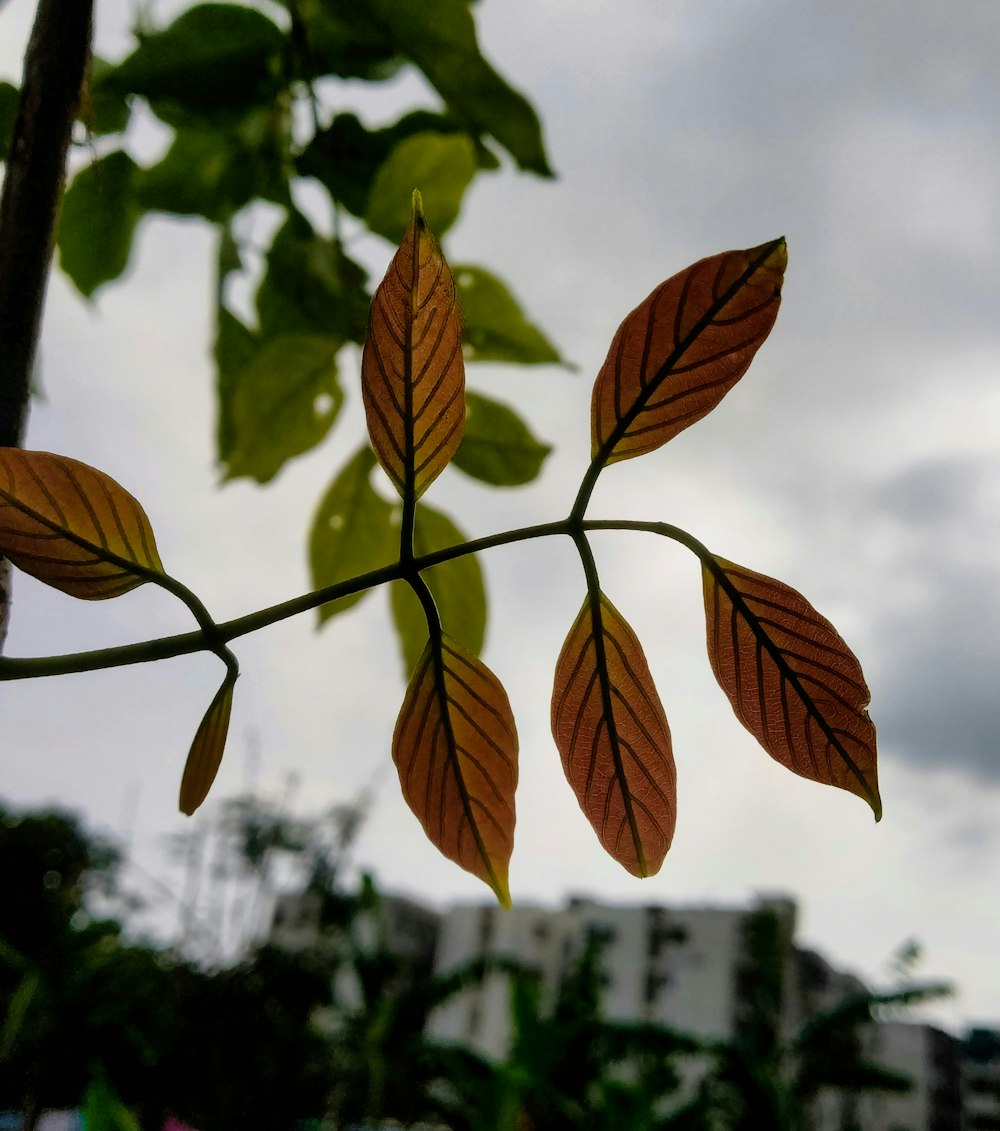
point(678, 353)
point(205, 755)
point(613, 736)
point(72, 526)
point(412, 371)
point(792, 681)
point(455, 747)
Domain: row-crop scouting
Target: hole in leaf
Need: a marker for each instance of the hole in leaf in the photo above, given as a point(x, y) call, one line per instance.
point(336, 522)
point(322, 404)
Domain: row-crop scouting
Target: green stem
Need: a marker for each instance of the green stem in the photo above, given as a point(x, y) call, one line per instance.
point(184, 644)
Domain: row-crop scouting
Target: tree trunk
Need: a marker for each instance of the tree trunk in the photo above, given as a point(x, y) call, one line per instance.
point(54, 69)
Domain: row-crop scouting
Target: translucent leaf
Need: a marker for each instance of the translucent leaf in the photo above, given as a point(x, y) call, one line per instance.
point(346, 155)
point(498, 447)
point(455, 746)
point(72, 526)
point(495, 328)
point(311, 287)
point(9, 97)
point(352, 532)
point(97, 221)
point(280, 405)
point(412, 374)
point(205, 755)
point(611, 731)
point(679, 352)
point(440, 37)
point(456, 586)
point(440, 165)
point(213, 57)
point(792, 681)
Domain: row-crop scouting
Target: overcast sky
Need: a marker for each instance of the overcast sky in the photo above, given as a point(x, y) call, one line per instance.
point(857, 461)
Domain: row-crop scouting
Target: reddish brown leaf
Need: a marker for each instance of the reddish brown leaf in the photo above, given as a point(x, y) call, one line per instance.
point(792, 681)
point(611, 731)
point(206, 752)
point(412, 372)
point(72, 526)
point(679, 352)
point(455, 747)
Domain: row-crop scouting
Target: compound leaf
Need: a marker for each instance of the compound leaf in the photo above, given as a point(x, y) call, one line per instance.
point(681, 350)
point(495, 326)
point(282, 403)
point(73, 527)
point(441, 165)
point(456, 586)
point(352, 533)
point(792, 681)
point(612, 734)
point(498, 447)
point(412, 373)
point(455, 747)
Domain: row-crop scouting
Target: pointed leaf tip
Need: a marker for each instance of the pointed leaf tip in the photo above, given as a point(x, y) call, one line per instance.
point(612, 733)
point(680, 351)
point(73, 527)
point(791, 679)
point(455, 747)
point(205, 755)
point(412, 369)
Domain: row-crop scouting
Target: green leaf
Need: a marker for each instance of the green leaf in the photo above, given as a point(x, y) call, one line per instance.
point(346, 156)
point(439, 165)
point(457, 587)
point(498, 447)
point(495, 326)
point(214, 173)
point(103, 109)
point(9, 97)
point(99, 215)
point(353, 531)
point(311, 286)
point(214, 57)
point(341, 39)
point(440, 37)
point(17, 1010)
point(104, 1111)
point(280, 404)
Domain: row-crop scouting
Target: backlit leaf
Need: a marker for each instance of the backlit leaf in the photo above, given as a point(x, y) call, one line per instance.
point(498, 447)
point(346, 155)
point(495, 328)
point(72, 526)
point(352, 532)
point(440, 37)
point(281, 404)
point(611, 731)
point(682, 349)
point(412, 373)
point(792, 681)
point(455, 747)
point(440, 165)
point(456, 586)
point(97, 221)
point(205, 755)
